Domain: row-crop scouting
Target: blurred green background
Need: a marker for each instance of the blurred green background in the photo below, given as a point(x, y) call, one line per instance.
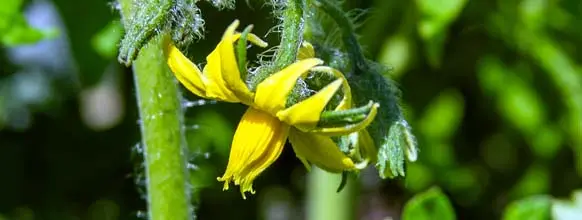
point(492, 89)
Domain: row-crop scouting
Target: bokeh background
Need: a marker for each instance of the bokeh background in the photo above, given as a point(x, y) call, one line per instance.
point(492, 89)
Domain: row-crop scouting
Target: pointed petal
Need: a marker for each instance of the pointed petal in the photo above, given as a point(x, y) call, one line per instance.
point(229, 65)
point(305, 115)
point(305, 51)
point(319, 150)
point(271, 94)
point(216, 87)
point(346, 102)
point(257, 143)
point(366, 146)
point(344, 130)
point(185, 71)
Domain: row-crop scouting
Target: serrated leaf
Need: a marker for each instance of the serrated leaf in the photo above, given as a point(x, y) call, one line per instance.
point(396, 147)
point(431, 204)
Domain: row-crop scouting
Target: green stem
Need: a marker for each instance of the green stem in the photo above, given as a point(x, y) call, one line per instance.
point(323, 202)
point(161, 129)
point(291, 38)
point(347, 30)
point(291, 35)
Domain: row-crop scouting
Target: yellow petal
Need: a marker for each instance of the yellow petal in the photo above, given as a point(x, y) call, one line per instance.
point(305, 51)
point(257, 143)
point(344, 130)
point(346, 101)
point(366, 146)
point(305, 115)
point(217, 88)
point(229, 66)
point(271, 94)
point(319, 150)
point(185, 71)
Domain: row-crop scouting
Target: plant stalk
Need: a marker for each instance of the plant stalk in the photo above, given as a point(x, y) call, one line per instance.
point(291, 35)
point(323, 202)
point(292, 25)
point(161, 115)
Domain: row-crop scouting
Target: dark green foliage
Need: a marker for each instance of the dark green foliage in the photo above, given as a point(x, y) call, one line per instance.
point(491, 90)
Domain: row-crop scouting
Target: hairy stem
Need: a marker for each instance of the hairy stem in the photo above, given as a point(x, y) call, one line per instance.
point(161, 129)
point(291, 35)
point(347, 29)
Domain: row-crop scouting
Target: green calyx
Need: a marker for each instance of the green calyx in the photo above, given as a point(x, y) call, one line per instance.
point(149, 18)
point(241, 52)
point(391, 134)
point(347, 117)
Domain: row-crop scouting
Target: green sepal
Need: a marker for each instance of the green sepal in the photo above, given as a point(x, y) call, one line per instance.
point(339, 118)
point(141, 26)
point(343, 182)
point(241, 52)
point(180, 18)
point(390, 132)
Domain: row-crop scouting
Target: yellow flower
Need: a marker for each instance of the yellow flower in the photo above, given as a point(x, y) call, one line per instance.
point(266, 125)
point(361, 139)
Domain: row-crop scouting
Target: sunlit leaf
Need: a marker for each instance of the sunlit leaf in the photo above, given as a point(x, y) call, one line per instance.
point(436, 16)
point(14, 30)
point(443, 116)
point(419, 177)
point(530, 208)
point(536, 180)
point(105, 42)
point(432, 204)
point(397, 51)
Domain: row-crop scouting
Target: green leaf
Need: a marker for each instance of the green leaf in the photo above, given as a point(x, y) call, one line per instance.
point(215, 133)
point(432, 204)
point(443, 116)
point(14, 30)
point(83, 20)
point(530, 208)
point(391, 154)
point(105, 42)
point(419, 177)
point(535, 180)
point(436, 16)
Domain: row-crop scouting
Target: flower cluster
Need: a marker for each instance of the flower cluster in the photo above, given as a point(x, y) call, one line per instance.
point(269, 120)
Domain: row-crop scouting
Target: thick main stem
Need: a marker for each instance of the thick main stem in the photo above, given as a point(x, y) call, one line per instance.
point(323, 202)
point(162, 134)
